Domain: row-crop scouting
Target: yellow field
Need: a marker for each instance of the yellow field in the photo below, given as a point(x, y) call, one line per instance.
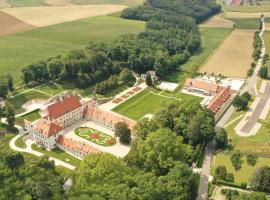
point(267, 26)
point(233, 57)
point(49, 15)
point(245, 15)
point(217, 21)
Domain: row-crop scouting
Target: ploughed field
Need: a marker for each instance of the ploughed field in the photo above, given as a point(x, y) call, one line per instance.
point(233, 57)
point(39, 44)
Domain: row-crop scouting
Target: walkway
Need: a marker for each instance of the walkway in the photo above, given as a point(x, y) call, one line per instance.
point(29, 150)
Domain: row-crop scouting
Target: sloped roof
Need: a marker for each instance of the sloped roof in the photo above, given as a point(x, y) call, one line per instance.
point(46, 127)
point(203, 85)
point(109, 117)
point(76, 145)
point(220, 99)
point(63, 107)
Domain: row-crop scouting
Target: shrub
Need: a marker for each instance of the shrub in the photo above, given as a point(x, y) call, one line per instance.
point(221, 172)
point(240, 103)
point(250, 71)
point(263, 72)
point(252, 159)
point(236, 160)
point(247, 96)
point(221, 138)
point(230, 177)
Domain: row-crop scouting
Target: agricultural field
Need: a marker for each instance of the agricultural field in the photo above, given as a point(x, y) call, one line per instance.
point(50, 15)
point(22, 3)
point(217, 21)
point(250, 23)
point(147, 102)
point(244, 15)
point(242, 175)
point(12, 24)
point(233, 57)
point(39, 44)
point(120, 2)
point(211, 38)
point(266, 38)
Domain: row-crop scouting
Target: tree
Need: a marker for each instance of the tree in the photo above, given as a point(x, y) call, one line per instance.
point(126, 76)
point(260, 179)
point(263, 72)
point(13, 160)
point(220, 172)
point(55, 68)
point(123, 132)
point(10, 82)
point(160, 152)
point(252, 159)
point(148, 80)
point(221, 138)
point(240, 103)
point(236, 160)
point(10, 115)
point(247, 96)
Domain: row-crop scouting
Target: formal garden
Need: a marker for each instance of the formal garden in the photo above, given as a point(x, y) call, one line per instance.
point(95, 136)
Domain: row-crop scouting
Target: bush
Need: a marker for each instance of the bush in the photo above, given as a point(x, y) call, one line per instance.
point(221, 172)
point(230, 177)
point(236, 160)
point(263, 72)
point(221, 138)
point(247, 96)
point(250, 71)
point(252, 159)
point(240, 103)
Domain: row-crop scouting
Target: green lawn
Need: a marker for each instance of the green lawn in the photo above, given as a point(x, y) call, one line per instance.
point(20, 142)
point(59, 154)
point(211, 38)
point(246, 170)
point(120, 2)
point(145, 102)
point(38, 44)
point(251, 23)
point(32, 116)
point(21, 99)
point(24, 3)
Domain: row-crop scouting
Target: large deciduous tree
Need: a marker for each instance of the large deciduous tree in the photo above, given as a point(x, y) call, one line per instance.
point(122, 132)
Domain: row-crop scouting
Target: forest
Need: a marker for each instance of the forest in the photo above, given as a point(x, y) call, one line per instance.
point(170, 38)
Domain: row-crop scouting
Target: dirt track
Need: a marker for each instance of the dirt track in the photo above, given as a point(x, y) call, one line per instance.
point(10, 25)
point(49, 15)
point(233, 57)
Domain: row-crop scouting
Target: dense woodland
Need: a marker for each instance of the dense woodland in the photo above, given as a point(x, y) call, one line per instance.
point(170, 38)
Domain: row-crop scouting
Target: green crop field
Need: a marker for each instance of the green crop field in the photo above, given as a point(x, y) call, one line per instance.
point(251, 23)
point(35, 45)
point(120, 2)
point(211, 38)
point(242, 175)
point(23, 3)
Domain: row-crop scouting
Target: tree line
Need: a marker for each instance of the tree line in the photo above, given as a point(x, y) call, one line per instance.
point(170, 38)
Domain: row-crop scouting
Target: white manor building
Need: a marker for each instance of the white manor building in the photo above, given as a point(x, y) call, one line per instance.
point(48, 131)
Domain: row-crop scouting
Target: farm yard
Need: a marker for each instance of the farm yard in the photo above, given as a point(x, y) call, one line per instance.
point(233, 58)
point(38, 44)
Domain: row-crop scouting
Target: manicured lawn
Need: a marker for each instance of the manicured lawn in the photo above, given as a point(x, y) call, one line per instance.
point(246, 170)
point(23, 3)
point(141, 104)
point(211, 38)
point(30, 117)
point(59, 154)
point(95, 136)
point(39, 44)
point(20, 142)
point(19, 100)
point(120, 2)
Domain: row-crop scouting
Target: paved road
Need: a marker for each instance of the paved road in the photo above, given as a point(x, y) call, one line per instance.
point(250, 87)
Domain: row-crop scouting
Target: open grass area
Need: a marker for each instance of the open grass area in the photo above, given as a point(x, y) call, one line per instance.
point(23, 3)
point(257, 144)
point(266, 37)
point(39, 44)
point(146, 102)
point(211, 38)
point(20, 142)
point(120, 2)
point(249, 23)
point(59, 154)
point(32, 116)
point(242, 175)
point(21, 99)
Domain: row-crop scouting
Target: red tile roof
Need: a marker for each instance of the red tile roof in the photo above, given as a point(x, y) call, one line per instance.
point(220, 99)
point(63, 107)
point(202, 85)
point(109, 117)
point(76, 145)
point(47, 128)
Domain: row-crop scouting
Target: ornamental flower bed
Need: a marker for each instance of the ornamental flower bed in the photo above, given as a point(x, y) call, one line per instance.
point(95, 136)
